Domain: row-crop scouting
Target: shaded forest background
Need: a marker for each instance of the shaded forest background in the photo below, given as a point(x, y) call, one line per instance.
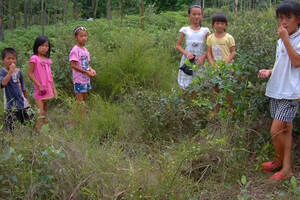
point(15, 13)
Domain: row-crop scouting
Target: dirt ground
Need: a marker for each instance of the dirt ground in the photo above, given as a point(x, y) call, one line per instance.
point(261, 189)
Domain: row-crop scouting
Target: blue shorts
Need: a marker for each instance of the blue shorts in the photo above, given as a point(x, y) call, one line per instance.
point(82, 88)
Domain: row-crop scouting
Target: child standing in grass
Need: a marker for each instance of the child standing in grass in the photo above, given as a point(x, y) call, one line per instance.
point(15, 99)
point(41, 75)
point(195, 36)
point(220, 45)
point(82, 71)
point(283, 88)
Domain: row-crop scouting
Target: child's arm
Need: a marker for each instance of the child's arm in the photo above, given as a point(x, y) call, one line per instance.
point(23, 86)
point(78, 68)
point(182, 50)
point(201, 59)
point(209, 50)
point(25, 95)
point(31, 75)
point(54, 90)
point(231, 56)
point(11, 70)
point(264, 73)
point(294, 56)
point(209, 55)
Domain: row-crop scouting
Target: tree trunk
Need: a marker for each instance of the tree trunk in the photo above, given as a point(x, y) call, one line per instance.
point(198, 2)
point(95, 8)
point(55, 15)
point(121, 10)
point(142, 14)
point(30, 13)
point(1, 21)
point(46, 18)
point(25, 14)
point(55, 12)
point(65, 10)
point(108, 10)
point(75, 9)
point(42, 17)
point(17, 14)
point(236, 2)
point(11, 17)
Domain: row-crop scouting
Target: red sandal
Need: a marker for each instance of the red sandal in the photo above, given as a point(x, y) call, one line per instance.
point(270, 166)
point(278, 176)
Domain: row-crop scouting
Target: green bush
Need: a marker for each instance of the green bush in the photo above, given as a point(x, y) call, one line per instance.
point(137, 63)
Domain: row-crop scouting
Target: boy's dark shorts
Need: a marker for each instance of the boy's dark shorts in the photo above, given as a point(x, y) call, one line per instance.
point(284, 109)
point(12, 116)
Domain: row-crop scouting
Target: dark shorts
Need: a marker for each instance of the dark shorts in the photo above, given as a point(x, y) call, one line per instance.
point(82, 88)
point(284, 109)
point(12, 116)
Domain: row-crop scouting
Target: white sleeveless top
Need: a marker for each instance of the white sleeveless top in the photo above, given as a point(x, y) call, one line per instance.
point(195, 41)
point(195, 44)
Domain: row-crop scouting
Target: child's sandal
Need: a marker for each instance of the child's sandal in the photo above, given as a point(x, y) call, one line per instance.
point(278, 176)
point(270, 166)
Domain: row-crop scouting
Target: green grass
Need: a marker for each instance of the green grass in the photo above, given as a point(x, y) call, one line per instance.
point(142, 137)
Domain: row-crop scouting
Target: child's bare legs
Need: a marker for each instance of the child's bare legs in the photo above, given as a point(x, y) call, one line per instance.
point(80, 100)
point(42, 118)
point(281, 133)
point(216, 108)
point(228, 100)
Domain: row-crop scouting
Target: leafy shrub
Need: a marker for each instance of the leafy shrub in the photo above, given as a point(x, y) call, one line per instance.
point(246, 92)
point(19, 180)
point(136, 63)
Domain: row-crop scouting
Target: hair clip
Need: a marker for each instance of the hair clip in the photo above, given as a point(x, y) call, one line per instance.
point(79, 28)
point(195, 6)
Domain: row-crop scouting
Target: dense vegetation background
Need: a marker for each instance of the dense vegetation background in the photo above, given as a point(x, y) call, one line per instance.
point(143, 138)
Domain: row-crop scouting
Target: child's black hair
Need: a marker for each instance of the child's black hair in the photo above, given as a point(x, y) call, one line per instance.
point(79, 28)
point(219, 17)
point(193, 6)
point(6, 51)
point(40, 41)
point(287, 8)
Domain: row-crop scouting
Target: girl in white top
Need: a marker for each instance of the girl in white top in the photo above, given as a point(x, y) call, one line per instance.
point(284, 89)
point(195, 39)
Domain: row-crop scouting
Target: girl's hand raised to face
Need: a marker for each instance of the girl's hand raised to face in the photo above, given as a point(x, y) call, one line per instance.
point(282, 32)
point(264, 73)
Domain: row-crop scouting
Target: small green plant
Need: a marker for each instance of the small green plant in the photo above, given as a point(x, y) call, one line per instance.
point(293, 188)
point(244, 184)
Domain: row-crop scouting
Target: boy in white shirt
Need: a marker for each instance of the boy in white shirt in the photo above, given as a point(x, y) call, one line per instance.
point(284, 89)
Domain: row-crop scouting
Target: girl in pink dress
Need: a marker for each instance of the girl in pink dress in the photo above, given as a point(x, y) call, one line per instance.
point(40, 73)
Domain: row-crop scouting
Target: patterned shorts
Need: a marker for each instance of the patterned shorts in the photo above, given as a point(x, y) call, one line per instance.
point(284, 109)
point(82, 88)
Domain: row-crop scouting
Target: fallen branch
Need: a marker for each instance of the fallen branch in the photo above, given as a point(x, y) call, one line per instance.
point(79, 185)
